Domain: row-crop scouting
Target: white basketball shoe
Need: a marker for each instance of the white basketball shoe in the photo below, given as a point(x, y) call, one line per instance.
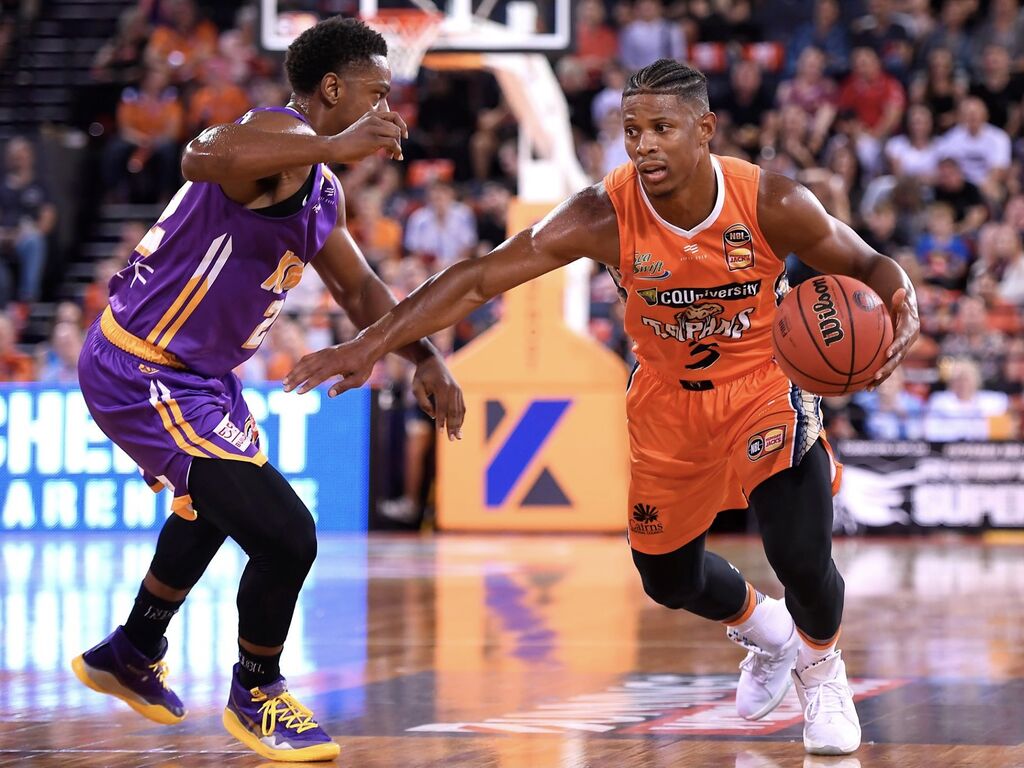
point(765, 672)
point(831, 725)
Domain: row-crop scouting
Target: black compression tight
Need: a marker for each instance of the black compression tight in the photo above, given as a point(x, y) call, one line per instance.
point(794, 514)
point(257, 508)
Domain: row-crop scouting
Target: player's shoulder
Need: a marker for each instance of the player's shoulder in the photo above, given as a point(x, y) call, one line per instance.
point(592, 206)
point(274, 120)
point(776, 192)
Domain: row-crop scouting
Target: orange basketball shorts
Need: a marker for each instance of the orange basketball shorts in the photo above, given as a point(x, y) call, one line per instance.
point(694, 454)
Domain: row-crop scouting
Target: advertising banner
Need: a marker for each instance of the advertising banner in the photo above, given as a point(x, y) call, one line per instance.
point(912, 483)
point(59, 472)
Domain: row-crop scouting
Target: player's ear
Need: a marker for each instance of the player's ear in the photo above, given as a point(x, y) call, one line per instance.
point(707, 124)
point(332, 88)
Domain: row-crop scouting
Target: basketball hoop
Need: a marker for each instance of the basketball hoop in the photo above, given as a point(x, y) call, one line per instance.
point(408, 34)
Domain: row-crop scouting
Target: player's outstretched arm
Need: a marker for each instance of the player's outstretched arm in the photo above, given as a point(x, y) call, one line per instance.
point(271, 142)
point(794, 221)
point(584, 225)
point(365, 299)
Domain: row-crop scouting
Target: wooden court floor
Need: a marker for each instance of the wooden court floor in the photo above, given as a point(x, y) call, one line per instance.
point(519, 652)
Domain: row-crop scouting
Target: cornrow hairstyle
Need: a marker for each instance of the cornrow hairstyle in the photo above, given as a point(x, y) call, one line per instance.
point(330, 46)
point(672, 77)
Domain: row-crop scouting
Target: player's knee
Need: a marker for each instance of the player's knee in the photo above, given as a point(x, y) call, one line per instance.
point(300, 549)
point(802, 573)
point(677, 596)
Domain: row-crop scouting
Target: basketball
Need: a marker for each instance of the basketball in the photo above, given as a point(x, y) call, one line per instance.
point(830, 335)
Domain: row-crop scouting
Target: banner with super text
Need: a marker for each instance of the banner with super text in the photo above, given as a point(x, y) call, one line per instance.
point(918, 484)
point(59, 472)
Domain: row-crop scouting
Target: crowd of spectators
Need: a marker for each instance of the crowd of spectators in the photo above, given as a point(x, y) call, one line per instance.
point(902, 116)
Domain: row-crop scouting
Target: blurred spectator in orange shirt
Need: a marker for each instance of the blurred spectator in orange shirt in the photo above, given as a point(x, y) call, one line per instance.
point(218, 100)
point(98, 292)
point(149, 125)
point(379, 236)
point(596, 42)
point(182, 41)
point(287, 346)
point(14, 365)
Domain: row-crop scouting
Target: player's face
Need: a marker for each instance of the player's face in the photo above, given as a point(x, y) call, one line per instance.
point(665, 138)
point(365, 90)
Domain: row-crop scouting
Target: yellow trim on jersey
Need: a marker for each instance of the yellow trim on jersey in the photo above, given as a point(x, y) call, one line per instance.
point(185, 314)
point(173, 310)
point(176, 434)
point(202, 280)
point(179, 418)
point(133, 345)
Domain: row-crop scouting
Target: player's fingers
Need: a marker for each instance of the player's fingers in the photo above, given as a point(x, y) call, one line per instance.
point(298, 374)
point(396, 119)
point(441, 400)
point(394, 148)
point(423, 398)
point(344, 385)
point(315, 378)
point(458, 414)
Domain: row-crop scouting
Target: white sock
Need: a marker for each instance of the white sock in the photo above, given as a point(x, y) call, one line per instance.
point(769, 625)
point(806, 654)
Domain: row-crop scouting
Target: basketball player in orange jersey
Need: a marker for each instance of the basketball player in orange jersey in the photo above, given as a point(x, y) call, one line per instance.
point(697, 243)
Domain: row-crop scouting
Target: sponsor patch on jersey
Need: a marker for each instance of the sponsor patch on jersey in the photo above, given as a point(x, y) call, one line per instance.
point(766, 441)
point(646, 267)
point(685, 297)
point(644, 520)
point(232, 434)
point(739, 247)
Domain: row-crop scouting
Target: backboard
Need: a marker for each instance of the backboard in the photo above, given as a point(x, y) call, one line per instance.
point(508, 26)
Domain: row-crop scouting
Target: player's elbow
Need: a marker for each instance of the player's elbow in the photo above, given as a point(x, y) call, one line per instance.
point(199, 165)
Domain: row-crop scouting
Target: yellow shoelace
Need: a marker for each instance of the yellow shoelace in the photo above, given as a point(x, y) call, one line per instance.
point(160, 671)
point(286, 709)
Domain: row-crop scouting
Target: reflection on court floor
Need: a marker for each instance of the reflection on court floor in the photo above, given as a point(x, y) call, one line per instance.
point(518, 651)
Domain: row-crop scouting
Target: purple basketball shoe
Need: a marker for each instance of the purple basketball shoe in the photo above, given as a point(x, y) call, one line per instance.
point(270, 722)
point(117, 668)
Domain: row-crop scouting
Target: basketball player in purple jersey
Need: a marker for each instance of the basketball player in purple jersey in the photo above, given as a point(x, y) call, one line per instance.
point(197, 298)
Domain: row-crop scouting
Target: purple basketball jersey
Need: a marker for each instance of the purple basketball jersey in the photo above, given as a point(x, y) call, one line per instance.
point(208, 280)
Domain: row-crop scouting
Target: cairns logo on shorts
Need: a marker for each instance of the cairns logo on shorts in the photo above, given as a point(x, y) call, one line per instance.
point(685, 297)
point(739, 247)
point(646, 268)
point(829, 325)
point(645, 519)
point(766, 441)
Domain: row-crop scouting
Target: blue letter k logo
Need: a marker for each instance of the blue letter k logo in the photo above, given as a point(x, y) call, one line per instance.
point(518, 452)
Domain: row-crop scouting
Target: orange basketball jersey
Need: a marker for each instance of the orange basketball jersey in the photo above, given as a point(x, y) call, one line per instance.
point(699, 302)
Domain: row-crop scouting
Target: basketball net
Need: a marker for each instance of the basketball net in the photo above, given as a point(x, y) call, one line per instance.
point(408, 34)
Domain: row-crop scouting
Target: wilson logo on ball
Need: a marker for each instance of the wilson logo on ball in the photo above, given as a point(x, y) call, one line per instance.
point(829, 325)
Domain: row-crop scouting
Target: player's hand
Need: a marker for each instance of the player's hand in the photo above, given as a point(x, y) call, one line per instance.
point(351, 360)
point(371, 132)
point(906, 327)
point(440, 396)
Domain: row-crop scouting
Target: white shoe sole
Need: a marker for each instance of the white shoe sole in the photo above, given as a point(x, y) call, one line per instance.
point(830, 749)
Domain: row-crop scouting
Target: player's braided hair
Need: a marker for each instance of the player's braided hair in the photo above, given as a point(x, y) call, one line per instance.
point(669, 76)
point(330, 46)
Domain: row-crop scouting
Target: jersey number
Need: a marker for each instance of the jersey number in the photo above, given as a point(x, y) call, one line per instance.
point(261, 330)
